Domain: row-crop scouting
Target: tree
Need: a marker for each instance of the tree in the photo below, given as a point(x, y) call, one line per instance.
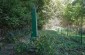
point(74, 12)
point(17, 13)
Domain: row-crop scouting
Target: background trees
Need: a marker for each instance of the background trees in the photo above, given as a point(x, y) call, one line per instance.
point(17, 13)
point(74, 13)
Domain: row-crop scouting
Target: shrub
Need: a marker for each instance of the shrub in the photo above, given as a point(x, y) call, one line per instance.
point(13, 14)
point(45, 45)
point(14, 36)
point(21, 49)
point(25, 49)
point(17, 13)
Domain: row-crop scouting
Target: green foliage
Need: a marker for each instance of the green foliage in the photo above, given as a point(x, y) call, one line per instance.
point(55, 43)
point(21, 48)
point(45, 46)
point(14, 36)
point(13, 13)
point(74, 12)
point(52, 42)
point(42, 17)
point(17, 13)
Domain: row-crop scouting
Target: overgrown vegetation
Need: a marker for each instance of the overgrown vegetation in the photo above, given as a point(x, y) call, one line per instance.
point(15, 17)
point(54, 43)
point(15, 27)
point(17, 13)
point(74, 13)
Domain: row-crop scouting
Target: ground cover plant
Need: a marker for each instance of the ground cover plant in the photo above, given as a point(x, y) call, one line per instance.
point(52, 43)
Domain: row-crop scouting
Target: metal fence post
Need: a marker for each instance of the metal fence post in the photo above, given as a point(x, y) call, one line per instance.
point(34, 23)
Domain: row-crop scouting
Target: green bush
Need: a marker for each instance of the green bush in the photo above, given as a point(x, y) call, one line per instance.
point(14, 14)
point(14, 36)
point(45, 45)
point(21, 49)
point(17, 13)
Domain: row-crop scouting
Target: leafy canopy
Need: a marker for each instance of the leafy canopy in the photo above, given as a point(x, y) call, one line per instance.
point(74, 12)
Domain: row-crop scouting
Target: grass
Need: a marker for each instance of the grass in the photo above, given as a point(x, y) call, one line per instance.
point(66, 45)
point(58, 43)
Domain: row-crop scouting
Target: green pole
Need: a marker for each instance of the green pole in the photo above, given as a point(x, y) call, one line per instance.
point(34, 23)
point(83, 6)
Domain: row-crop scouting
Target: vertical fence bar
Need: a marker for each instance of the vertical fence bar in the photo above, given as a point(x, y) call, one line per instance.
point(81, 29)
